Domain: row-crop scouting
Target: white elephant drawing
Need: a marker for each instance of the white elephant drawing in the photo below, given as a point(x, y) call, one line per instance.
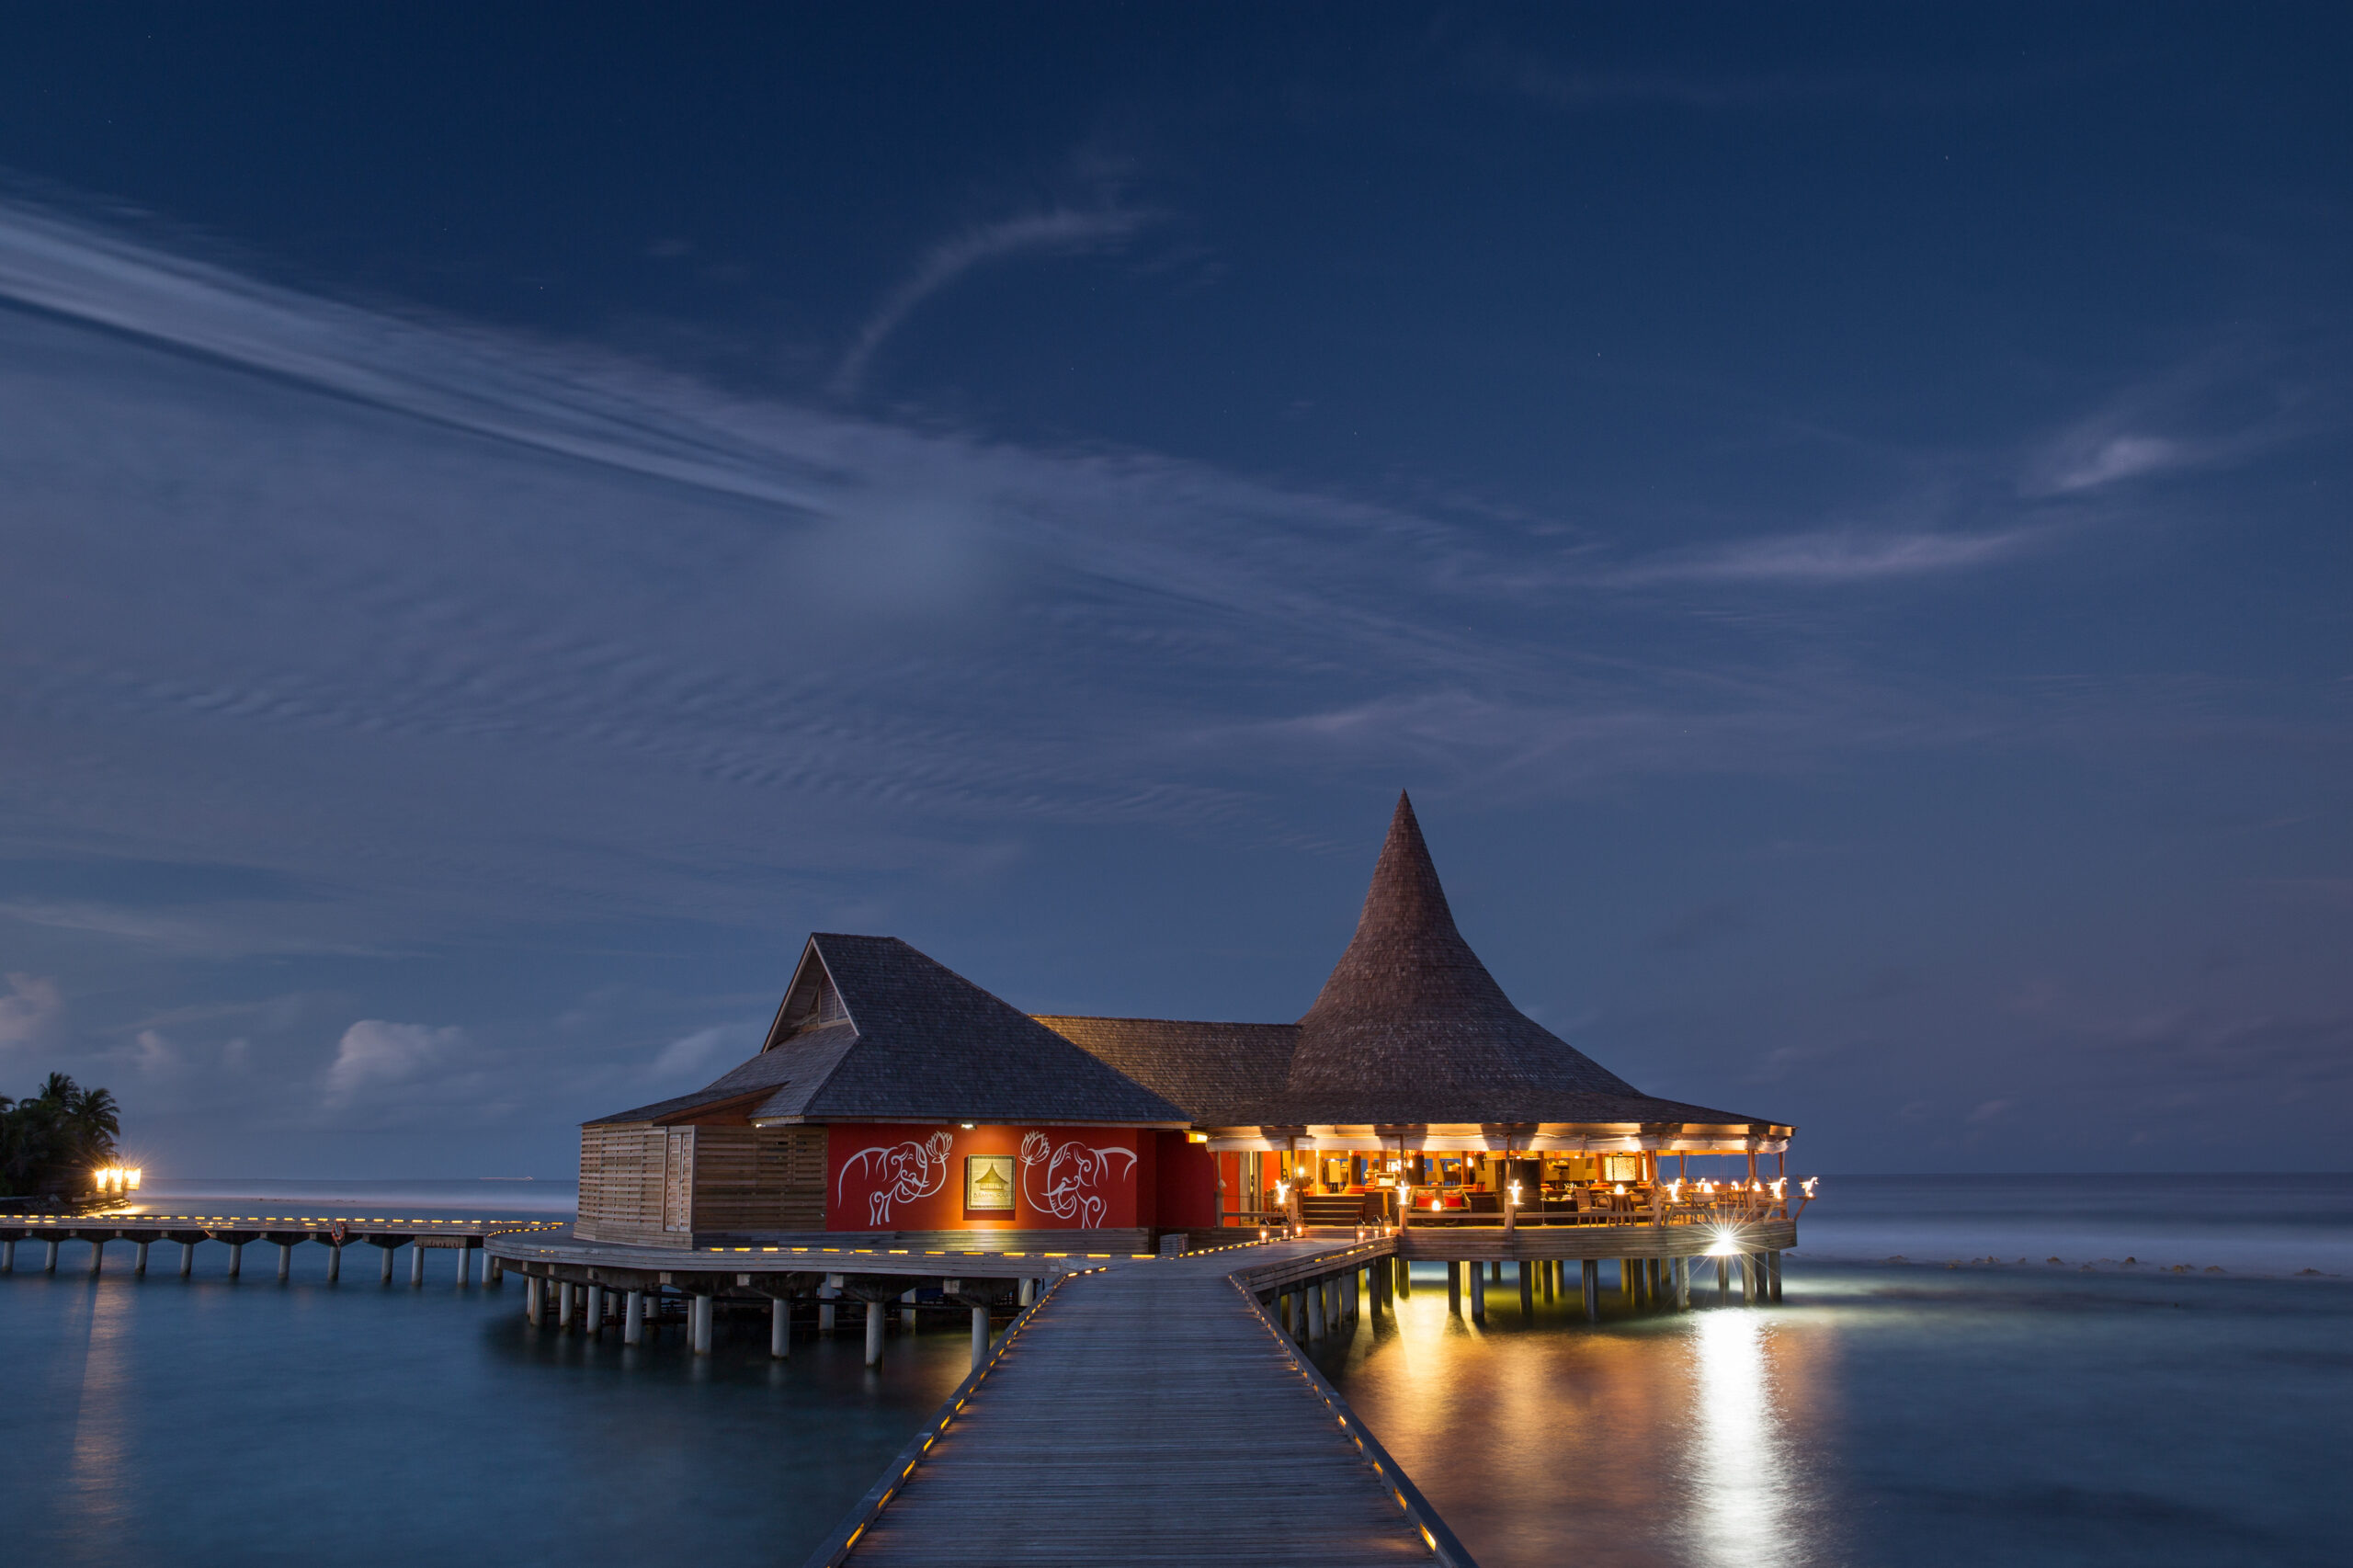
point(896, 1172)
point(1062, 1181)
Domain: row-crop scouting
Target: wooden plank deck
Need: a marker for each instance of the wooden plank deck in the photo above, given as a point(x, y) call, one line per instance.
point(1146, 1415)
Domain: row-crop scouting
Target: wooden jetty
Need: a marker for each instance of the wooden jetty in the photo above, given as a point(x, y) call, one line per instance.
point(1151, 1411)
point(467, 1239)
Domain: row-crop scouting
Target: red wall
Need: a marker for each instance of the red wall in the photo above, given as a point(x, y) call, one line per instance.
point(1186, 1183)
point(904, 1177)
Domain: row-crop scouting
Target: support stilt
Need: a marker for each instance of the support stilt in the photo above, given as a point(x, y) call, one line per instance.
point(416, 1263)
point(1723, 1282)
point(1592, 1277)
point(980, 1336)
point(50, 1266)
point(1478, 1293)
point(827, 1294)
point(140, 1267)
point(1773, 1276)
point(907, 1312)
point(563, 1296)
point(335, 1262)
point(1453, 1290)
point(1682, 1284)
point(7, 1258)
point(779, 1327)
point(384, 1269)
point(703, 1307)
point(1527, 1288)
point(633, 1318)
point(98, 1256)
point(1315, 1311)
point(285, 1261)
point(1405, 1278)
point(874, 1320)
point(1029, 1291)
point(595, 1326)
point(1495, 1272)
point(237, 1258)
point(1748, 1280)
point(534, 1298)
point(187, 1258)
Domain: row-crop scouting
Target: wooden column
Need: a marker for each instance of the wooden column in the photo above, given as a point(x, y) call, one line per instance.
point(97, 1255)
point(50, 1266)
point(1453, 1289)
point(335, 1262)
point(7, 1258)
point(534, 1298)
point(285, 1260)
point(1478, 1293)
point(1723, 1282)
point(1747, 1280)
point(384, 1274)
point(1773, 1276)
point(633, 1317)
point(827, 1294)
point(1316, 1310)
point(980, 1336)
point(907, 1312)
point(187, 1258)
point(702, 1320)
point(1527, 1288)
point(593, 1325)
point(140, 1266)
point(874, 1320)
point(1590, 1272)
point(562, 1307)
point(780, 1326)
point(1405, 1278)
point(415, 1261)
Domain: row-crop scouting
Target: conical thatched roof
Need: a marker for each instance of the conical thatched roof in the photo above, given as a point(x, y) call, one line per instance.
point(1411, 1028)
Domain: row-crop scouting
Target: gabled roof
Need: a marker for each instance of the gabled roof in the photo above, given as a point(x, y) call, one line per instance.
point(1223, 1075)
point(872, 1030)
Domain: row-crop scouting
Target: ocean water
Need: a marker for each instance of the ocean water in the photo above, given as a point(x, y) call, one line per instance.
point(1938, 1410)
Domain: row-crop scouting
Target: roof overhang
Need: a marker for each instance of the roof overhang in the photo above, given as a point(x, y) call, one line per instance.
point(959, 1117)
point(1543, 1138)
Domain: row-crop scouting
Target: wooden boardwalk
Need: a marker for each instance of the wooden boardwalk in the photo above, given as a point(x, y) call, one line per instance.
point(1147, 1413)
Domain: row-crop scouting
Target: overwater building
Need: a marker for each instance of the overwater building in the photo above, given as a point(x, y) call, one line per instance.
point(894, 1097)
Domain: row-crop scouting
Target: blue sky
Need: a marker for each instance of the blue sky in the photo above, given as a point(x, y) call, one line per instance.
point(509, 519)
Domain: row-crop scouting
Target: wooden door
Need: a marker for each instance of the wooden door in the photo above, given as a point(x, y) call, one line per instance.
point(678, 1180)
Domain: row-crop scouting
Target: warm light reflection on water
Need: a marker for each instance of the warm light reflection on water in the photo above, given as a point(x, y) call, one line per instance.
point(1652, 1440)
point(1741, 1470)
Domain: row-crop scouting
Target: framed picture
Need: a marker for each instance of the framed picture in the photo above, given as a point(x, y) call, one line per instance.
point(988, 1184)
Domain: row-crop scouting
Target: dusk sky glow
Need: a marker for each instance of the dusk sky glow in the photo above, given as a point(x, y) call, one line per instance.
point(510, 518)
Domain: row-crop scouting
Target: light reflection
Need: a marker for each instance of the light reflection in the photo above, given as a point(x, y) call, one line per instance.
point(1740, 1464)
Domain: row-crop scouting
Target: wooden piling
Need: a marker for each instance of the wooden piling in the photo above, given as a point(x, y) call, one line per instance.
point(335, 1262)
point(980, 1336)
point(701, 1314)
point(237, 1258)
point(780, 1326)
point(874, 1320)
point(1723, 1280)
point(907, 1312)
point(187, 1258)
point(594, 1323)
point(7, 1258)
point(50, 1266)
point(1453, 1290)
point(827, 1295)
point(1315, 1311)
point(1478, 1293)
point(1773, 1276)
point(139, 1266)
point(285, 1261)
point(417, 1263)
point(632, 1318)
point(534, 1298)
point(98, 1256)
point(1527, 1288)
point(563, 1296)
point(1591, 1273)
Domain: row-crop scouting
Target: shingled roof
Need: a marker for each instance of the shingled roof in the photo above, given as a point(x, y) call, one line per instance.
point(872, 1030)
point(1412, 1028)
point(1223, 1075)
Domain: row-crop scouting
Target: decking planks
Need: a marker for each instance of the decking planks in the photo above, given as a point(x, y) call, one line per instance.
point(1146, 1416)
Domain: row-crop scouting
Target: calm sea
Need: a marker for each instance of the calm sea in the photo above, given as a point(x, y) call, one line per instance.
point(1911, 1413)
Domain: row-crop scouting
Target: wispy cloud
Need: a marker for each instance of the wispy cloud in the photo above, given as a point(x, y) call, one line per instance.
point(375, 1055)
point(27, 1011)
point(1058, 232)
point(1828, 558)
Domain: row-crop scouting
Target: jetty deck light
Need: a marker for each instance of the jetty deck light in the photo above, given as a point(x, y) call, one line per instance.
point(1726, 1245)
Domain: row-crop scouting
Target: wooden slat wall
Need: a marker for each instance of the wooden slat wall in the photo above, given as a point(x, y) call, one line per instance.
point(620, 1182)
point(757, 1178)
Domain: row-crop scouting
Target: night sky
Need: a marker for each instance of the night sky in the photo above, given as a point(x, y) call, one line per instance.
point(509, 516)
